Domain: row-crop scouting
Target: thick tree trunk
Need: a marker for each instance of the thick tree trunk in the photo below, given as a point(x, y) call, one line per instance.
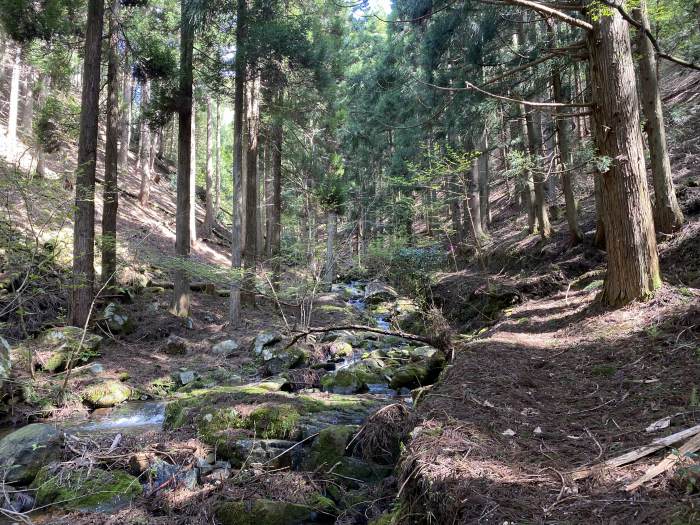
point(484, 189)
point(668, 216)
point(472, 210)
point(111, 188)
point(260, 211)
point(331, 226)
point(209, 217)
point(181, 292)
point(633, 264)
point(238, 105)
point(125, 123)
point(251, 195)
point(143, 164)
point(84, 221)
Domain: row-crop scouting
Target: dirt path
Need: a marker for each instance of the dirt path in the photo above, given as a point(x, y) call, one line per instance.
point(558, 384)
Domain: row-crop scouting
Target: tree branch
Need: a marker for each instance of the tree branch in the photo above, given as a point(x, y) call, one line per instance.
point(544, 9)
point(361, 328)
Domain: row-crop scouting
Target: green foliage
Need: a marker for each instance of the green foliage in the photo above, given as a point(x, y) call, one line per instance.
point(57, 122)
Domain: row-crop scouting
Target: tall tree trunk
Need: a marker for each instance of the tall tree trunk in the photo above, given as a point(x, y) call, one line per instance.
point(276, 137)
point(193, 176)
point(84, 220)
point(331, 226)
point(217, 168)
point(533, 119)
point(143, 164)
point(527, 189)
point(472, 210)
point(111, 188)
point(484, 189)
point(11, 134)
point(633, 264)
point(668, 216)
point(28, 112)
point(41, 154)
point(181, 291)
point(125, 123)
point(209, 217)
point(561, 127)
point(260, 186)
point(238, 104)
point(251, 195)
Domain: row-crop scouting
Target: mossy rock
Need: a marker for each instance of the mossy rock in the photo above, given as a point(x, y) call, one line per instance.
point(355, 470)
point(261, 512)
point(277, 359)
point(340, 349)
point(94, 490)
point(351, 380)
point(117, 320)
point(410, 376)
point(106, 394)
point(24, 451)
point(330, 446)
point(58, 344)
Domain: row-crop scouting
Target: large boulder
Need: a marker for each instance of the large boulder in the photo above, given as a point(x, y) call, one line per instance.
point(225, 348)
point(106, 394)
point(277, 359)
point(93, 489)
point(353, 380)
point(25, 451)
point(261, 511)
point(330, 446)
point(376, 292)
point(273, 453)
point(57, 345)
point(117, 320)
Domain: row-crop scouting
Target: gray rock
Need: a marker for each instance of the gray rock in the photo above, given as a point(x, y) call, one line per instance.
point(264, 339)
point(117, 320)
point(5, 361)
point(424, 352)
point(274, 453)
point(25, 451)
point(187, 377)
point(376, 292)
point(225, 348)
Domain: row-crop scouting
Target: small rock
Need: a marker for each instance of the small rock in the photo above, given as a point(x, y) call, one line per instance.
point(117, 320)
point(509, 432)
point(175, 346)
point(538, 430)
point(187, 377)
point(139, 463)
point(220, 474)
point(225, 348)
point(189, 480)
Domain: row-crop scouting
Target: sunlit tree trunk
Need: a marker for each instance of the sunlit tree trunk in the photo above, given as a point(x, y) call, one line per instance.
point(209, 217)
point(484, 189)
point(534, 133)
point(28, 112)
point(276, 138)
point(633, 265)
point(251, 195)
point(41, 99)
point(181, 293)
point(11, 133)
point(84, 219)
point(193, 177)
point(111, 188)
point(125, 123)
point(331, 226)
point(143, 164)
point(217, 168)
point(668, 216)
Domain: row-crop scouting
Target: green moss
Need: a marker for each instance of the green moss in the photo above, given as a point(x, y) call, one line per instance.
point(259, 512)
point(329, 447)
point(331, 308)
point(603, 371)
point(106, 394)
point(322, 504)
point(79, 489)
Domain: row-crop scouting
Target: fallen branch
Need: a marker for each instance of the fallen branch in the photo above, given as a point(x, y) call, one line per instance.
point(692, 445)
point(361, 328)
point(638, 453)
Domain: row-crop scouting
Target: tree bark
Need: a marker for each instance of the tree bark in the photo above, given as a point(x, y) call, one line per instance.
point(668, 216)
point(251, 195)
point(534, 133)
point(484, 189)
point(193, 176)
point(633, 265)
point(276, 137)
point(41, 154)
point(11, 133)
point(180, 305)
point(143, 164)
point(217, 168)
point(238, 103)
point(472, 211)
point(110, 188)
point(331, 226)
point(84, 220)
point(28, 112)
point(125, 135)
point(209, 217)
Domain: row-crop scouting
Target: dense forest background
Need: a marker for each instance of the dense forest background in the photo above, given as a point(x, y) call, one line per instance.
point(418, 261)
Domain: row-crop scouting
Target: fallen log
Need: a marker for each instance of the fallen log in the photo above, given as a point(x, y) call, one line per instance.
point(637, 453)
point(362, 328)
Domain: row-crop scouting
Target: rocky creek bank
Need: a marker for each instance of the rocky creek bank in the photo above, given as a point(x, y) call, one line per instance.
point(326, 415)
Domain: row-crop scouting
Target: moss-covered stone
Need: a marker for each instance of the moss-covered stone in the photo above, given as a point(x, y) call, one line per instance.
point(106, 394)
point(261, 511)
point(24, 451)
point(352, 380)
point(329, 447)
point(94, 490)
point(277, 358)
point(340, 349)
point(117, 320)
point(57, 345)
